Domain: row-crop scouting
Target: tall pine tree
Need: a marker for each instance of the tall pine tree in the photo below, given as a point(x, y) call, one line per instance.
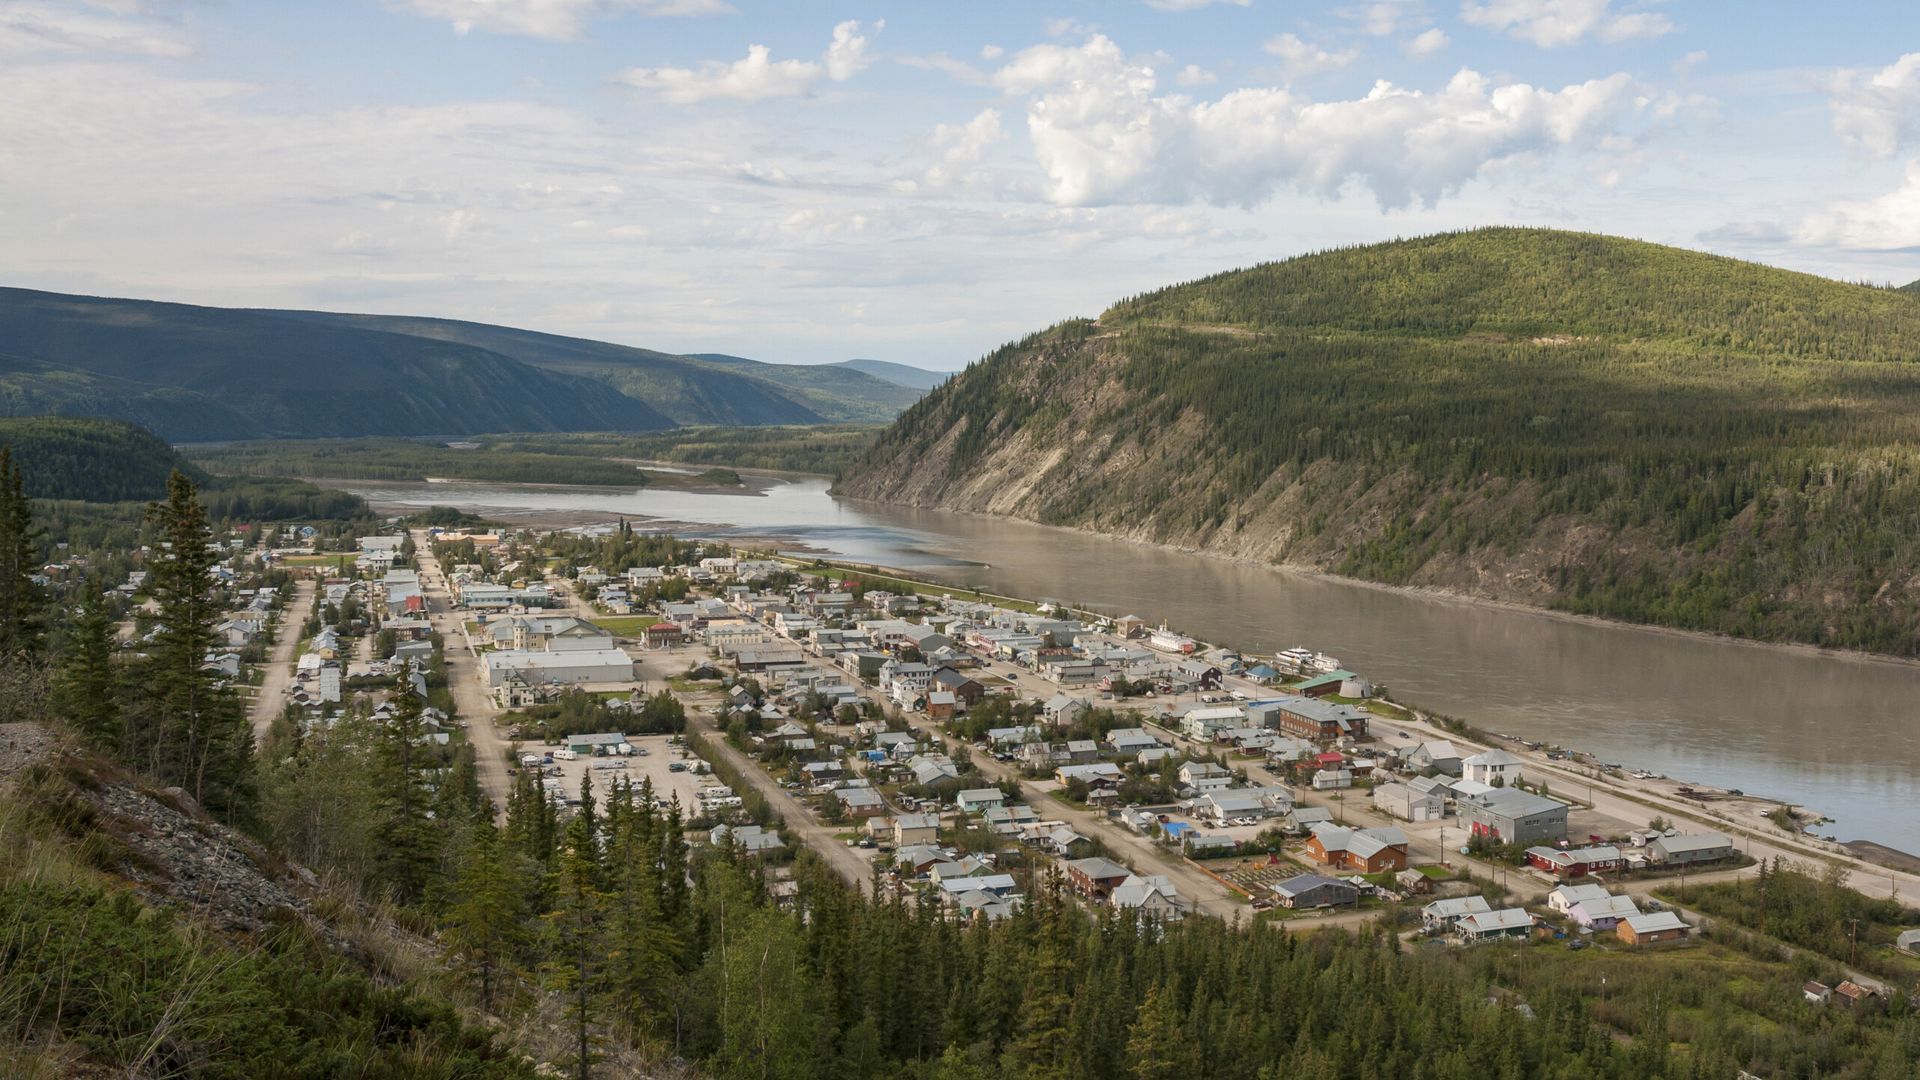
point(405, 832)
point(87, 689)
point(191, 730)
point(20, 599)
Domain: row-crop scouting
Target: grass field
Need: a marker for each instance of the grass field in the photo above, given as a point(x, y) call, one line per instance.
point(625, 625)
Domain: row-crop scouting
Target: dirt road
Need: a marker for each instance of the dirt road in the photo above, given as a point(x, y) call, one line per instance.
point(849, 863)
point(270, 697)
point(465, 679)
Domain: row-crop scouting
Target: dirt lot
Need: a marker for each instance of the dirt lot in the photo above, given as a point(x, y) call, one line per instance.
point(653, 765)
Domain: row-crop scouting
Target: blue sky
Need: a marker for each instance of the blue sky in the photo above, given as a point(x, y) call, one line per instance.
point(913, 182)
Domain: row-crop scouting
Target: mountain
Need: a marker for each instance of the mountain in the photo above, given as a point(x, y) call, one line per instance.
point(250, 374)
point(841, 393)
point(899, 374)
point(91, 460)
point(1910, 287)
point(687, 391)
point(1575, 421)
point(700, 389)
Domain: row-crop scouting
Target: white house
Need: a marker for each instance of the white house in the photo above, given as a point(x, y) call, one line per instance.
point(1494, 768)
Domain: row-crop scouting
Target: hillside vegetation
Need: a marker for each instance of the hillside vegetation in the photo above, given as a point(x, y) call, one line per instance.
point(1569, 420)
point(708, 388)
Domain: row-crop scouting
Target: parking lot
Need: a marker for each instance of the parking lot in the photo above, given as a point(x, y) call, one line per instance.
point(653, 758)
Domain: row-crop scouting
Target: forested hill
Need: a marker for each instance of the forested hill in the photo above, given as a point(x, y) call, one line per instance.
point(1911, 287)
point(1568, 420)
point(200, 373)
point(91, 460)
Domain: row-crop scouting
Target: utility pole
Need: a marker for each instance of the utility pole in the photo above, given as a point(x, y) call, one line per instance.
point(1853, 939)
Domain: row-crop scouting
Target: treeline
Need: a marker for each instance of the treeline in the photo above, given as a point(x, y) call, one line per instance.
point(1639, 432)
point(410, 460)
point(827, 449)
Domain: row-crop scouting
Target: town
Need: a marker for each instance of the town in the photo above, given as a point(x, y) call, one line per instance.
point(959, 752)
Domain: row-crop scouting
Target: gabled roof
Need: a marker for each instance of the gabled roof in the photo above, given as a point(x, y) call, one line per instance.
point(1099, 869)
point(1301, 884)
point(1609, 907)
point(1458, 907)
point(1492, 921)
point(1654, 922)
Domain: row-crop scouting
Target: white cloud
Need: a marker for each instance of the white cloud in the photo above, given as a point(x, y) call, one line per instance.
point(1384, 18)
point(1102, 135)
point(554, 20)
point(1890, 222)
point(1552, 23)
point(962, 148)
point(991, 52)
point(27, 28)
point(1193, 5)
point(847, 54)
point(1879, 112)
point(757, 76)
point(1195, 75)
point(1428, 42)
point(1299, 59)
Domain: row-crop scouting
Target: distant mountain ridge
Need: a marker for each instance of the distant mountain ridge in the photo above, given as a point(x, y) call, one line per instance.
point(1567, 420)
point(903, 374)
point(252, 374)
point(194, 373)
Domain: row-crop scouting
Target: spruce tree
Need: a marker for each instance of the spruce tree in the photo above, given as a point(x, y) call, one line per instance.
point(191, 730)
point(405, 832)
point(20, 599)
point(87, 689)
point(484, 926)
point(576, 942)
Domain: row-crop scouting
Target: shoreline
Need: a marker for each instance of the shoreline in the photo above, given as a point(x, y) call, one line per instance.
point(1427, 592)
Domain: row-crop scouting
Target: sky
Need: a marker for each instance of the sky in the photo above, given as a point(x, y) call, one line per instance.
point(917, 182)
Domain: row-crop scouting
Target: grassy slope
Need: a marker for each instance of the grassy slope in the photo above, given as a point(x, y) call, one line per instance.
point(271, 375)
point(1562, 419)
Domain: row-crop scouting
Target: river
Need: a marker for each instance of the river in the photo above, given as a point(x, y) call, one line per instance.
point(1837, 734)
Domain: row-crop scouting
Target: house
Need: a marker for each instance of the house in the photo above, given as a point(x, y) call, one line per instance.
point(1908, 941)
point(1690, 849)
point(1326, 684)
point(1413, 882)
point(1494, 925)
point(1315, 720)
point(1436, 754)
point(1494, 768)
point(752, 839)
point(1603, 913)
point(1570, 863)
point(1512, 816)
point(909, 829)
point(1852, 995)
point(1442, 915)
point(1132, 740)
point(1565, 897)
point(1007, 820)
point(966, 692)
point(1151, 894)
point(1204, 725)
point(860, 802)
point(1302, 819)
point(663, 635)
point(932, 768)
point(1205, 776)
point(1332, 779)
point(1407, 804)
point(1315, 891)
point(1062, 708)
point(980, 800)
point(1099, 772)
point(1365, 851)
point(1232, 804)
point(1095, 878)
point(1652, 928)
point(1815, 993)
